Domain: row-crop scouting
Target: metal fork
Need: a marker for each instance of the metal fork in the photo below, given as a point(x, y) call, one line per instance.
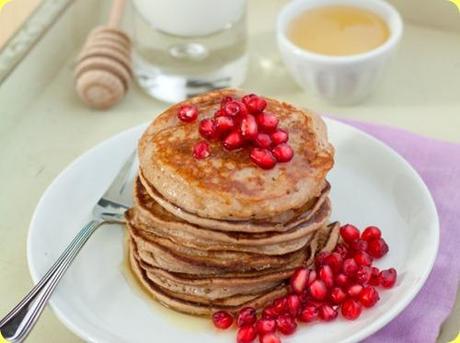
point(17, 324)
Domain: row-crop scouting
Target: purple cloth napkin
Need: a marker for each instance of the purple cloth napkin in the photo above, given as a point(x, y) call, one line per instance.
point(438, 163)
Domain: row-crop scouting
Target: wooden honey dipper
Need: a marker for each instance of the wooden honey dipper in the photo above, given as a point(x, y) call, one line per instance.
point(103, 73)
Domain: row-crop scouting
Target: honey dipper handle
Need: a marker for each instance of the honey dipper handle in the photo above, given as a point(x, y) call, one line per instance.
point(116, 12)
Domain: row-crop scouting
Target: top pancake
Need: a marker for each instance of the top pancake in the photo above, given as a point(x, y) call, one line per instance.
point(227, 185)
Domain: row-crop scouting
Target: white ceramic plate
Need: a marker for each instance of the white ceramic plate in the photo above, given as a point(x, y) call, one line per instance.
point(371, 184)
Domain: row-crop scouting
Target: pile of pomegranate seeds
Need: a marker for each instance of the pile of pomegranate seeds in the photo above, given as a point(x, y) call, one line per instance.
point(242, 123)
point(342, 282)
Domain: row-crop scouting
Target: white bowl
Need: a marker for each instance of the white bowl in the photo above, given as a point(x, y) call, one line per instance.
point(338, 79)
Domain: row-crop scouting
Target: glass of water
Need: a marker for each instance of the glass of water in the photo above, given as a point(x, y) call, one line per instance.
point(185, 47)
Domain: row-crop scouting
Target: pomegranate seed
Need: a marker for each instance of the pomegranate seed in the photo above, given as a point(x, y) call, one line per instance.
point(263, 158)
point(245, 99)
point(187, 113)
point(325, 274)
point(359, 245)
point(283, 152)
point(320, 259)
point(265, 325)
point(263, 140)
point(267, 121)
point(279, 136)
point(254, 103)
point(335, 261)
point(351, 309)
point(293, 304)
point(377, 248)
point(313, 302)
point(208, 128)
point(248, 127)
point(234, 108)
point(342, 250)
point(350, 267)
point(246, 316)
point(341, 280)
point(327, 313)
point(201, 150)
point(233, 141)
point(338, 296)
point(362, 258)
point(286, 324)
point(304, 297)
point(388, 278)
point(225, 99)
point(354, 290)
point(219, 113)
point(363, 275)
point(280, 305)
point(308, 314)
point(269, 338)
point(371, 232)
point(318, 290)
point(246, 334)
point(222, 320)
point(349, 233)
point(299, 280)
point(311, 277)
point(269, 312)
point(223, 125)
point(374, 280)
point(369, 296)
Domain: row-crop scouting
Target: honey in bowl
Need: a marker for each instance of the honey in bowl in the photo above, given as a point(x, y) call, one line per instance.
point(338, 30)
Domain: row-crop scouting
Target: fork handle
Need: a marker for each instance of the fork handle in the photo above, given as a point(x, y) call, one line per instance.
point(18, 323)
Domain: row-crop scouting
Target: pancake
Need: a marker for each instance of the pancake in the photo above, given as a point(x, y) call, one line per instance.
point(167, 261)
point(167, 253)
point(145, 193)
point(185, 299)
point(191, 307)
point(325, 239)
point(215, 288)
point(150, 217)
point(276, 247)
point(229, 186)
point(233, 301)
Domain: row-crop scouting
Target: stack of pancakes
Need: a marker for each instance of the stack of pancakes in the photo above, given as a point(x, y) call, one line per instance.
point(222, 233)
